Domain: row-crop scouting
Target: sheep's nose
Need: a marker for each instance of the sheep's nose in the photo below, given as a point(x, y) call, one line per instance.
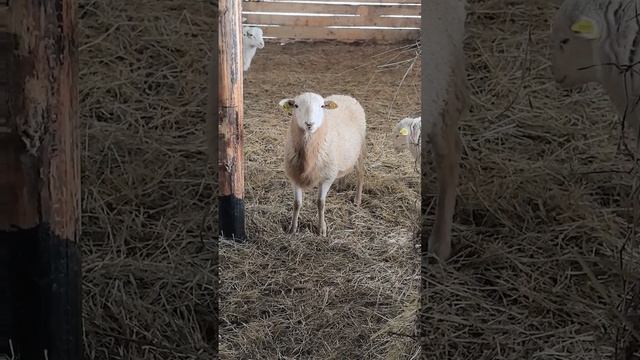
point(308, 124)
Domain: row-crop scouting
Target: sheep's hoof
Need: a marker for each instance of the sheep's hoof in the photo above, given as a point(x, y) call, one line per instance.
point(323, 230)
point(440, 248)
point(292, 229)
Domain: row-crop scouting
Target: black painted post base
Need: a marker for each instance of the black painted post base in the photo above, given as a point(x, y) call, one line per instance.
point(40, 295)
point(231, 218)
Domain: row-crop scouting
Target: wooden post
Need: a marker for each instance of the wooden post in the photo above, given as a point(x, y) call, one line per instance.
point(230, 112)
point(40, 275)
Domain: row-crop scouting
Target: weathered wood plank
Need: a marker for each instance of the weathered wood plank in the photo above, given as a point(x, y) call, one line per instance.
point(5, 20)
point(364, 10)
point(346, 1)
point(315, 21)
point(230, 112)
point(348, 34)
point(40, 180)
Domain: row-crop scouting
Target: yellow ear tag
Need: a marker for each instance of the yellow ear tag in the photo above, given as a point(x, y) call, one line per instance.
point(582, 26)
point(404, 132)
point(330, 105)
point(286, 107)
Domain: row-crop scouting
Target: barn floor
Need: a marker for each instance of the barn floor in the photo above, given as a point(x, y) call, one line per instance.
point(303, 296)
point(539, 229)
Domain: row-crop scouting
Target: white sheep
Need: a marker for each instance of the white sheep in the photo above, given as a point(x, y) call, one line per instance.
point(597, 42)
point(251, 41)
point(326, 141)
point(445, 102)
point(407, 136)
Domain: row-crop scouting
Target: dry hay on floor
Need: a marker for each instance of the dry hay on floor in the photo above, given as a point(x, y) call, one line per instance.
point(538, 274)
point(149, 282)
point(352, 294)
point(527, 211)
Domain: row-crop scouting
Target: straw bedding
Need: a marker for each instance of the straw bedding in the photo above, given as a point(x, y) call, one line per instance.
point(544, 210)
point(537, 274)
point(149, 281)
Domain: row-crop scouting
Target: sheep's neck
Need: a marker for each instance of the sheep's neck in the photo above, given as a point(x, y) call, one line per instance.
point(306, 149)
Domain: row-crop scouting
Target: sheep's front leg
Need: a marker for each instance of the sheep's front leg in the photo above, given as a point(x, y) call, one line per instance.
point(297, 204)
point(323, 189)
point(446, 151)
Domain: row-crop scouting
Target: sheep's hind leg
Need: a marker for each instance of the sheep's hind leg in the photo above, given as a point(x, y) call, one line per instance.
point(323, 189)
point(297, 204)
point(360, 176)
point(360, 173)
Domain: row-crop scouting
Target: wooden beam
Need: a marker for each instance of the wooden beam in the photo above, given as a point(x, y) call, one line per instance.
point(375, 2)
point(347, 34)
point(315, 21)
point(230, 112)
point(365, 10)
point(40, 275)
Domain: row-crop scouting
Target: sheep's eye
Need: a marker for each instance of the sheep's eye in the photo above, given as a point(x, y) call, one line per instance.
point(295, 106)
point(564, 41)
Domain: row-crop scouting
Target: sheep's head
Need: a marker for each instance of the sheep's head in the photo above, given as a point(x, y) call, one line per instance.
point(308, 110)
point(252, 36)
point(575, 40)
point(406, 131)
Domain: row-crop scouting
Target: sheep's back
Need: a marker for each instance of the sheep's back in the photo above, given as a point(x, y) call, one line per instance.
point(347, 131)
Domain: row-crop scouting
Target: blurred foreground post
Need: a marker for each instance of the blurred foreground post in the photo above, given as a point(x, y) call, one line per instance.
point(230, 111)
point(40, 275)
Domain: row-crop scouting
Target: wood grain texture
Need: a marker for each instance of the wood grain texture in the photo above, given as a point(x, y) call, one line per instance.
point(375, 2)
point(40, 179)
point(230, 109)
point(41, 146)
point(230, 116)
point(344, 34)
point(370, 10)
point(19, 194)
point(313, 21)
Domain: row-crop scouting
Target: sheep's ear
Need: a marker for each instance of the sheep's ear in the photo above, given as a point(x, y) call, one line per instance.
point(404, 131)
point(415, 132)
point(330, 105)
point(287, 105)
point(585, 28)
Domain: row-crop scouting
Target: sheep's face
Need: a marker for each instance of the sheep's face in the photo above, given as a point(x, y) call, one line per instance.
point(308, 110)
point(574, 41)
point(405, 132)
point(252, 36)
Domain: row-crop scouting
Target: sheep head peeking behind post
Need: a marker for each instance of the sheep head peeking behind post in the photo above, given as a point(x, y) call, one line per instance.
point(251, 41)
point(326, 141)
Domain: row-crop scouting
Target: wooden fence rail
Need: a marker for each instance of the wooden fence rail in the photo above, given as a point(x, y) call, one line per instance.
point(381, 21)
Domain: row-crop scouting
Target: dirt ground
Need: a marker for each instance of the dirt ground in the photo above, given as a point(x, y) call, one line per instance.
point(543, 207)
